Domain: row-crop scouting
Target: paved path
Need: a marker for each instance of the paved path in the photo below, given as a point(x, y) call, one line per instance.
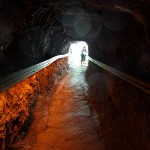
point(64, 123)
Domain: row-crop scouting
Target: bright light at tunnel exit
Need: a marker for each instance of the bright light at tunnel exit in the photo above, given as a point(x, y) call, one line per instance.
point(75, 50)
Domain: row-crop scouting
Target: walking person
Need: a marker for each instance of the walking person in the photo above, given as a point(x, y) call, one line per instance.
point(83, 55)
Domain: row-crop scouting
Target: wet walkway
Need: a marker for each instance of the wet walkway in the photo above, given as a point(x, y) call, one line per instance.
point(62, 119)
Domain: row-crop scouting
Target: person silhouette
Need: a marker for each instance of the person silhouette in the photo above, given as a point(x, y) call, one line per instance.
point(83, 55)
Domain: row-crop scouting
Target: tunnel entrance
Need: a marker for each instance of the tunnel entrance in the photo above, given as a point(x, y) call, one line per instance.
point(77, 49)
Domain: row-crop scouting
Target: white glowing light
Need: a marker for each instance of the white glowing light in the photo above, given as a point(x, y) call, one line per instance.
point(75, 53)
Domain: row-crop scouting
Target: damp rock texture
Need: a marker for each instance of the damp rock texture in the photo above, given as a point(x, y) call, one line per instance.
point(18, 102)
point(123, 110)
point(117, 32)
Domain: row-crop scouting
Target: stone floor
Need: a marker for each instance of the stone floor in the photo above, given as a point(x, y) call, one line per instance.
point(63, 119)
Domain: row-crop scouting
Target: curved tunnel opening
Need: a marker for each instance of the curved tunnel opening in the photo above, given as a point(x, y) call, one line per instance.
point(108, 29)
point(76, 50)
point(116, 33)
point(44, 31)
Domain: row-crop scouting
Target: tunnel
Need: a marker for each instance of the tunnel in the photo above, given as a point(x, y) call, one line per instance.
point(49, 102)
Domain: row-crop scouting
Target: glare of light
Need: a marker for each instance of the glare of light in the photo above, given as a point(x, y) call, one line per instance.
point(75, 53)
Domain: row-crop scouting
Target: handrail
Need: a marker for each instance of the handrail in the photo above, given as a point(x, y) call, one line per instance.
point(132, 80)
point(16, 77)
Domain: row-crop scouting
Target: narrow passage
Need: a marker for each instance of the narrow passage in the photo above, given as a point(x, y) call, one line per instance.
point(62, 119)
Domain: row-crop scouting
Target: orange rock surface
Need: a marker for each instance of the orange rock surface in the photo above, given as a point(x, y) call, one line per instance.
point(17, 103)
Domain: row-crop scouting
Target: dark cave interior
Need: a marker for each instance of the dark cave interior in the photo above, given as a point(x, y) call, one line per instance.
point(117, 32)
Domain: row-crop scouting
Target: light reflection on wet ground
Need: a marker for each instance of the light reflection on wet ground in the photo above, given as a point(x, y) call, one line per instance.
point(63, 119)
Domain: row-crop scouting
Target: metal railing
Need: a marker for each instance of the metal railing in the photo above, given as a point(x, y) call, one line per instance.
point(16, 77)
point(132, 80)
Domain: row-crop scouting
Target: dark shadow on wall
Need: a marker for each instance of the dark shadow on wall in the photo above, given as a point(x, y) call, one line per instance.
point(123, 110)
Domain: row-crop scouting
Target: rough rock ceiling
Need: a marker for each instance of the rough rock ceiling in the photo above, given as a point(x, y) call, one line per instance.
point(35, 30)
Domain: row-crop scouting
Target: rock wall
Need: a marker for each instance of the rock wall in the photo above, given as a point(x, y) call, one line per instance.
point(117, 32)
point(124, 110)
point(18, 102)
